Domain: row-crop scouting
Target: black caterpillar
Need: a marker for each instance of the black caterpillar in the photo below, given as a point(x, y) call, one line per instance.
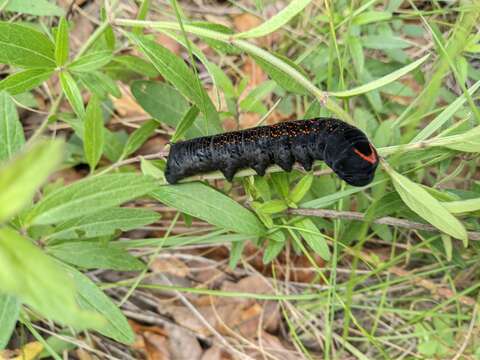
point(343, 147)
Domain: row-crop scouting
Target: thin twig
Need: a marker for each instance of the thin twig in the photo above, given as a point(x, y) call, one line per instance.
point(386, 220)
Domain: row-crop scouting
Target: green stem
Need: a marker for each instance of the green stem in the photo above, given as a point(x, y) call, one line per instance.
point(45, 121)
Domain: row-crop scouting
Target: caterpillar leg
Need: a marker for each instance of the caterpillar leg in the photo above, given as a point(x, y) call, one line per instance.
point(285, 162)
point(306, 162)
point(228, 173)
point(260, 168)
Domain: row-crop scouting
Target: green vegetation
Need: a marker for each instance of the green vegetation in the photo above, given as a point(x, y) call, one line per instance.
point(393, 266)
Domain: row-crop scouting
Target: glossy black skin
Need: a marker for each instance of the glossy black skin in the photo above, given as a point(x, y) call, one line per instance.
point(302, 141)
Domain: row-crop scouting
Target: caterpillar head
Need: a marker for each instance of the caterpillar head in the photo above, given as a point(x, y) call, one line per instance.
point(351, 156)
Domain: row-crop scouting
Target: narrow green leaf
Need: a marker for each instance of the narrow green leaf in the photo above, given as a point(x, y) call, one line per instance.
point(462, 206)
point(426, 206)
point(72, 92)
point(378, 83)
point(91, 298)
point(253, 100)
point(61, 43)
point(301, 189)
point(136, 64)
point(92, 255)
point(141, 15)
point(25, 80)
point(25, 47)
point(356, 51)
point(24, 174)
point(203, 202)
point(91, 61)
point(447, 245)
point(38, 281)
point(273, 206)
point(272, 250)
point(160, 100)
point(34, 7)
point(280, 77)
point(236, 253)
point(149, 169)
point(139, 136)
point(277, 21)
point(184, 124)
point(11, 130)
point(165, 104)
point(314, 238)
point(384, 42)
point(369, 17)
point(9, 311)
point(88, 196)
point(104, 222)
point(178, 73)
point(445, 115)
point(93, 134)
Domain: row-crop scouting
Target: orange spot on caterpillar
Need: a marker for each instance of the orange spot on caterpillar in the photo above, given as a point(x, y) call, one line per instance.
point(372, 158)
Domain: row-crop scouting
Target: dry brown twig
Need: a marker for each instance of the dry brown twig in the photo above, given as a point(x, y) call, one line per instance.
point(386, 220)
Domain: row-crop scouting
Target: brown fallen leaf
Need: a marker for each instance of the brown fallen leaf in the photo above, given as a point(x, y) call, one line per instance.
point(171, 266)
point(246, 21)
point(183, 345)
point(169, 43)
point(156, 346)
point(127, 106)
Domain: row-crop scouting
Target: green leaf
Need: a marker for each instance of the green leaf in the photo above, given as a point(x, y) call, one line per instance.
point(301, 189)
point(378, 83)
point(91, 61)
point(137, 65)
point(72, 92)
point(104, 222)
point(9, 311)
point(426, 206)
point(445, 115)
point(314, 238)
point(356, 51)
point(25, 80)
point(11, 130)
point(384, 42)
point(20, 178)
point(236, 253)
point(179, 74)
point(62, 43)
point(462, 206)
point(37, 280)
point(184, 124)
point(447, 246)
point(22, 46)
point(141, 15)
point(88, 196)
point(93, 134)
point(280, 77)
point(253, 100)
point(148, 168)
point(277, 21)
point(272, 250)
point(203, 202)
point(91, 298)
point(160, 100)
point(34, 7)
point(93, 255)
point(369, 17)
point(139, 136)
point(273, 206)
